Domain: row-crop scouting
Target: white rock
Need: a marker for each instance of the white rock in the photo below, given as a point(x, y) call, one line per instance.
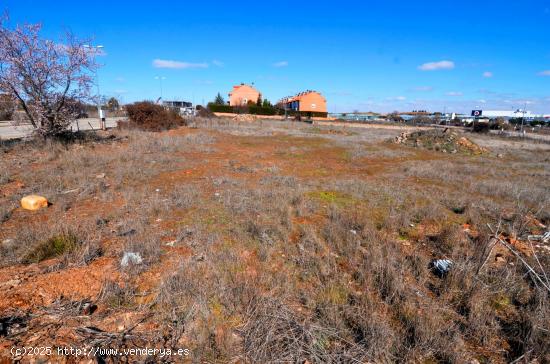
point(130, 258)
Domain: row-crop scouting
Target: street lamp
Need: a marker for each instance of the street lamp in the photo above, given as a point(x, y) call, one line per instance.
point(99, 111)
point(160, 78)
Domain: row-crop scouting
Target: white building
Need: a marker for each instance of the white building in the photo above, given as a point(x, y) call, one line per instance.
point(493, 114)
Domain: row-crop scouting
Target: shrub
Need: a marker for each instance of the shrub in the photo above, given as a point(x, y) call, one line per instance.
point(148, 116)
point(51, 248)
point(480, 127)
point(220, 108)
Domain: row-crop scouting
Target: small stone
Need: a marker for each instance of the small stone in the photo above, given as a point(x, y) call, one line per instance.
point(100, 176)
point(8, 243)
point(499, 155)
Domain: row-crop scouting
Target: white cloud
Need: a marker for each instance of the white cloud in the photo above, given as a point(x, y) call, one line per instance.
point(487, 74)
point(544, 73)
point(454, 93)
point(162, 63)
point(120, 91)
point(397, 98)
point(120, 79)
point(482, 101)
point(434, 66)
point(280, 64)
point(217, 63)
point(423, 88)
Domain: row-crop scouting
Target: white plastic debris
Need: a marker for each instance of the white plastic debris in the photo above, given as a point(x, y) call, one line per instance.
point(354, 232)
point(130, 258)
point(441, 267)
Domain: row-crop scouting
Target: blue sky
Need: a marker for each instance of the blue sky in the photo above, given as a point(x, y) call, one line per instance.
point(362, 55)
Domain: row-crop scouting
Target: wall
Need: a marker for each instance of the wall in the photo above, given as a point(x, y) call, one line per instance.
point(242, 93)
point(313, 102)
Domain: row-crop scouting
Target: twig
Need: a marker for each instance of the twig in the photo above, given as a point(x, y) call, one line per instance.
point(529, 268)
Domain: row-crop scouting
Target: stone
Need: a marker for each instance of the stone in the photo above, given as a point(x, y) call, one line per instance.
point(131, 258)
point(33, 202)
point(100, 176)
point(8, 243)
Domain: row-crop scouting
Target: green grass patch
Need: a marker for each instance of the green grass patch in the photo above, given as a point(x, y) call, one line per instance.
point(332, 197)
point(51, 248)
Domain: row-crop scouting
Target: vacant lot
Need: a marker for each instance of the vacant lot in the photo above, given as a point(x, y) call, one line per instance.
point(275, 242)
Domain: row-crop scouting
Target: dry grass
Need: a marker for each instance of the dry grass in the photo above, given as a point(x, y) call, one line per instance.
point(251, 254)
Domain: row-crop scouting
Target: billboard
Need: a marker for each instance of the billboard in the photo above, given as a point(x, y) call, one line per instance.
point(477, 112)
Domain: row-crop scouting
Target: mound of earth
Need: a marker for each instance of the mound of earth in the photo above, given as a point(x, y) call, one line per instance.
point(244, 117)
point(446, 141)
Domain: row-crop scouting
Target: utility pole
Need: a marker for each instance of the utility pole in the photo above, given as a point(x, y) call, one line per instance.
point(160, 78)
point(523, 119)
point(102, 123)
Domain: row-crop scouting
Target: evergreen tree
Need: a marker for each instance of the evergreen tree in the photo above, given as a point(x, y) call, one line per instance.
point(259, 102)
point(266, 103)
point(219, 99)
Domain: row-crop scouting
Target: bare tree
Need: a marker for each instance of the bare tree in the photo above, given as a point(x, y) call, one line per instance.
point(46, 78)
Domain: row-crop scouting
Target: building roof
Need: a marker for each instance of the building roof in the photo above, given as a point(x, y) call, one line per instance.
point(236, 87)
point(299, 95)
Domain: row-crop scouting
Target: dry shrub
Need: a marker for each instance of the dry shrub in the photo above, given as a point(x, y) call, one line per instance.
point(146, 115)
point(273, 333)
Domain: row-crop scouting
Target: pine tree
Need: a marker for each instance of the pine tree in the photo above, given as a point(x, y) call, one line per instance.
point(219, 99)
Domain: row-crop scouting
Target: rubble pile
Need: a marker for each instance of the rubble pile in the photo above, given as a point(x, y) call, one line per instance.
point(445, 141)
point(244, 117)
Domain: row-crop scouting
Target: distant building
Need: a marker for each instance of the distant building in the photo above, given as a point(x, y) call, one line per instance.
point(243, 94)
point(497, 114)
point(308, 101)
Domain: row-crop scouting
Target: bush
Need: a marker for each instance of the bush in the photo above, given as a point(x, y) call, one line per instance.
point(261, 110)
point(149, 116)
point(51, 248)
point(220, 108)
point(480, 127)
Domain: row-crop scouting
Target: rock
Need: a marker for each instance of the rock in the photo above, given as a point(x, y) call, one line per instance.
point(88, 308)
point(33, 202)
point(8, 243)
point(131, 258)
point(100, 176)
point(500, 155)
point(500, 259)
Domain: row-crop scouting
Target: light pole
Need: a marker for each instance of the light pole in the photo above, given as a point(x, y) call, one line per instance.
point(99, 111)
point(160, 78)
point(523, 119)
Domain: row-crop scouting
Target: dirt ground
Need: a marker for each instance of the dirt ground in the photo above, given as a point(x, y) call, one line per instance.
point(274, 241)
